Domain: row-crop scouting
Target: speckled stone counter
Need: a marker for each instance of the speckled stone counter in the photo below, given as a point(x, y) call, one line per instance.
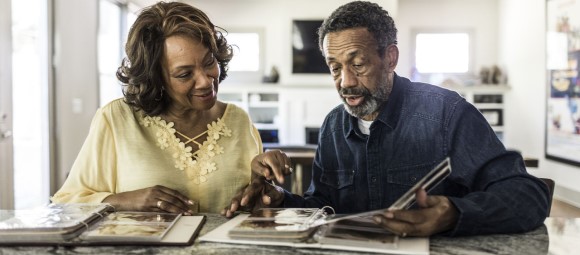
point(557, 236)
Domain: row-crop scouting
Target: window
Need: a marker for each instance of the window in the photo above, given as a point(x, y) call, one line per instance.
point(30, 93)
point(442, 52)
point(114, 22)
point(246, 50)
point(247, 64)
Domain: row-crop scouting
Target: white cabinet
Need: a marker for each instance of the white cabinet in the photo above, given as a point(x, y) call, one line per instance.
point(286, 113)
point(261, 102)
point(304, 108)
point(282, 113)
point(489, 99)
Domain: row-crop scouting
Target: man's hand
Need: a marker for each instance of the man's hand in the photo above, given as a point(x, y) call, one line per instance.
point(262, 192)
point(436, 214)
point(153, 199)
point(258, 194)
point(272, 164)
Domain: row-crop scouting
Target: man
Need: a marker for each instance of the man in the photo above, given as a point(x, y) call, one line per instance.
point(390, 132)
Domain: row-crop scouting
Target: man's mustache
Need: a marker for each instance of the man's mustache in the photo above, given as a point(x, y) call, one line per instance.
point(361, 91)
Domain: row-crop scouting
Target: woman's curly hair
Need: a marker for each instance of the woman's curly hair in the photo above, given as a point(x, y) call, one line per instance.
point(361, 14)
point(141, 71)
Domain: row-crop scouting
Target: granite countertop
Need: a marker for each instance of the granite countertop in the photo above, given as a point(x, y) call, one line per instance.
point(563, 234)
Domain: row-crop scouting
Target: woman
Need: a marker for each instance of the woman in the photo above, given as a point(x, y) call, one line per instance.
point(169, 145)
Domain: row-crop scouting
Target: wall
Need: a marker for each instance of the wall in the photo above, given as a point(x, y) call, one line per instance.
point(480, 16)
point(75, 77)
point(522, 52)
point(275, 18)
point(6, 144)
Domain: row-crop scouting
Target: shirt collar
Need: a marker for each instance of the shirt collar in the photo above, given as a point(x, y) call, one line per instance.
point(389, 111)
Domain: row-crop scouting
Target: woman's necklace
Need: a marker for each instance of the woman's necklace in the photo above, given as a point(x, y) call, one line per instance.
point(189, 140)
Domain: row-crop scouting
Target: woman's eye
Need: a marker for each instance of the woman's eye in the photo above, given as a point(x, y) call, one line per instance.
point(211, 62)
point(184, 75)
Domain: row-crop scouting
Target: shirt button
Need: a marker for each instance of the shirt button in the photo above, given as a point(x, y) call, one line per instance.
point(374, 179)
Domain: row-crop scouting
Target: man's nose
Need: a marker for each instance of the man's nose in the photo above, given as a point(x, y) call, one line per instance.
point(349, 78)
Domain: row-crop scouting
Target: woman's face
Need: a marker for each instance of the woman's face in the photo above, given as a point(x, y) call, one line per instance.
point(191, 74)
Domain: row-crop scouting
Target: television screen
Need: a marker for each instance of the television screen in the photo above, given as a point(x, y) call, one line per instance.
point(306, 57)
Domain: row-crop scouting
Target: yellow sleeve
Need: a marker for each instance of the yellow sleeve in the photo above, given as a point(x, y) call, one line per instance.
point(93, 175)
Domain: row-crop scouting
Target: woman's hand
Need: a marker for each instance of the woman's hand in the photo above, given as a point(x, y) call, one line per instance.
point(258, 194)
point(153, 199)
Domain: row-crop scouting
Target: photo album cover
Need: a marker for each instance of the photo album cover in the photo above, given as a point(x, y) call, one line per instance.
point(132, 226)
point(95, 224)
point(52, 222)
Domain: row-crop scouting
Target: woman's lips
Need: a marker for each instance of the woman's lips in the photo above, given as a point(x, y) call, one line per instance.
point(205, 96)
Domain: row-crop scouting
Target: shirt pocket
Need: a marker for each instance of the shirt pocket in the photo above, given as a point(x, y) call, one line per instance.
point(408, 176)
point(337, 179)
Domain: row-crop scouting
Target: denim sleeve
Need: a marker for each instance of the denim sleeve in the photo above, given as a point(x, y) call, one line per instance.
point(314, 197)
point(502, 197)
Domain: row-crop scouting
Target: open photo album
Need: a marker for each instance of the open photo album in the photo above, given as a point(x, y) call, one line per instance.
point(319, 228)
point(132, 226)
point(94, 224)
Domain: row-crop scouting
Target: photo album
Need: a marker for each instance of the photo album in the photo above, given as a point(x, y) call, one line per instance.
point(321, 229)
point(95, 224)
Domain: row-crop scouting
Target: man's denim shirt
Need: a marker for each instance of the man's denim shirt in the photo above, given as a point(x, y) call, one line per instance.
point(418, 127)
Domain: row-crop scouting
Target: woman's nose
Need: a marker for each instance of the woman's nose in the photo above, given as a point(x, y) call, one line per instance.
point(204, 80)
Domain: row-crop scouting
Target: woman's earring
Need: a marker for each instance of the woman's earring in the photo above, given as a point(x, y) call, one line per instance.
point(161, 95)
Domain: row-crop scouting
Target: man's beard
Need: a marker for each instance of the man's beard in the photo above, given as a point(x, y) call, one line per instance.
point(371, 103)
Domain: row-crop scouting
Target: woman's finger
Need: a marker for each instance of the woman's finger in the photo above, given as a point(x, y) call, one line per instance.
point(172, 200)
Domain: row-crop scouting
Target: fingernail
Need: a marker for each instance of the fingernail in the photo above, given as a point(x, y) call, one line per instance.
point(190, 202)
point(378, 219)
point(244, 201)
point(286, 166)
point(232, 208)
point(389, 215)
point(267, 199)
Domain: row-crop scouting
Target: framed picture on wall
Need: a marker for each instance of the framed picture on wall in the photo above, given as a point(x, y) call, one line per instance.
point(563, 81)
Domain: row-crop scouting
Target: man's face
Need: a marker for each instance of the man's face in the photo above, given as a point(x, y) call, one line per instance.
point(363, 78)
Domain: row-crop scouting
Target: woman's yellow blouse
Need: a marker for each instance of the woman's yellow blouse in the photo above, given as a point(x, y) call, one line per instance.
point(127, 150)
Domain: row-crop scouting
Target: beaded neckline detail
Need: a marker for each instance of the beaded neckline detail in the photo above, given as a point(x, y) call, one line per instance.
point(198, 165)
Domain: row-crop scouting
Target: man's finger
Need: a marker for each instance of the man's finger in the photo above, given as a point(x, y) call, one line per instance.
point(421, 197)
point(276, 164)
point(272, 195)
point(266, 200)
point(252, 191)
